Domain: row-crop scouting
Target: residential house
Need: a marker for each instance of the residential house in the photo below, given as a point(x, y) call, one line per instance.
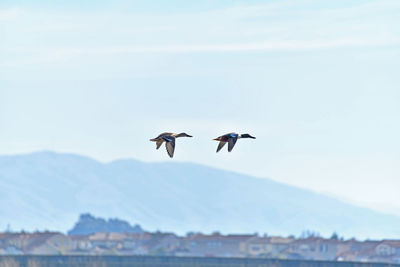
point(215, 245)
point(135, 244)
point(313, 248)
point(388, 248)
point(10, 250)
point(387, 251)
point(80, 244)
point(107, 241)
point(271, 247)
point(47, 243)
point(17, 240)
point(162, 243)
point(353, 250)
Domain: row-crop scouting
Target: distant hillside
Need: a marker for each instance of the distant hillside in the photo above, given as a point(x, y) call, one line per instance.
point(48, 190)
point(88, 224)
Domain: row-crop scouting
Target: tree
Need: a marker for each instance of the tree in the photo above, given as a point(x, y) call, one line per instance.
point(334, 236)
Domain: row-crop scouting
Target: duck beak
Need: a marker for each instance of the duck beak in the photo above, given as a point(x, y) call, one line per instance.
point(252, 137)
point(216, 139)
point(189, 136)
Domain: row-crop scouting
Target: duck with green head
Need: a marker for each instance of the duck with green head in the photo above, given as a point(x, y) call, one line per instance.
point(231, 139)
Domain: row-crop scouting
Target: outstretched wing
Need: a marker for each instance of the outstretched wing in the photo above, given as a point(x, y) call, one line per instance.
point(159, 143)
point(170, 148)
point(169, 144)
point(231, 143)
point(220, 145)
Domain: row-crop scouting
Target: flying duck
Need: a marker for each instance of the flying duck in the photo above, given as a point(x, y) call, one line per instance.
point(231, 139)
point(169, 139)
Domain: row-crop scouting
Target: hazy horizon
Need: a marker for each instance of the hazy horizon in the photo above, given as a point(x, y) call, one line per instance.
point(107, 161)
point(48, 190)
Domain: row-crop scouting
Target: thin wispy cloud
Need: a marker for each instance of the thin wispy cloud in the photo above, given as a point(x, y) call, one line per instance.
point(278, 26)
point(288, 45)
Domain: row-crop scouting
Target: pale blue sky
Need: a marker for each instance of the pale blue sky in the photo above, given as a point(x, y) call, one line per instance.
point(317, 82)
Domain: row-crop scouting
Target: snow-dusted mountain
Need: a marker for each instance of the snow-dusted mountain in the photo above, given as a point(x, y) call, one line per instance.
point(48, 190)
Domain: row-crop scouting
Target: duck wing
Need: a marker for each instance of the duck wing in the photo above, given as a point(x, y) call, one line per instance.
point(231, 143)
point(220, 145)
point(159, 143)
point(170, 148)
point(169, 144)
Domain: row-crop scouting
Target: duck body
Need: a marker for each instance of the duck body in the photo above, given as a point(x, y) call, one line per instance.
point(169, 139)
point(160, 139)
point(231, 139)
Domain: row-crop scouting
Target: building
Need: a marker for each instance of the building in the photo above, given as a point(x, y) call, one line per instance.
point(215, 245)
point(269, 247)
point(313, 248)
point(80, 244)
point(163, 243)
point(47, 243)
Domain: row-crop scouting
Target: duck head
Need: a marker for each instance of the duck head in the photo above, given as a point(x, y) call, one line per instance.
point(183, 135)
point(247, 136)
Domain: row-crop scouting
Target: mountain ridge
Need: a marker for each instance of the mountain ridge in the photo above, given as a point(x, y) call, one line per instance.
point(49, 189)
